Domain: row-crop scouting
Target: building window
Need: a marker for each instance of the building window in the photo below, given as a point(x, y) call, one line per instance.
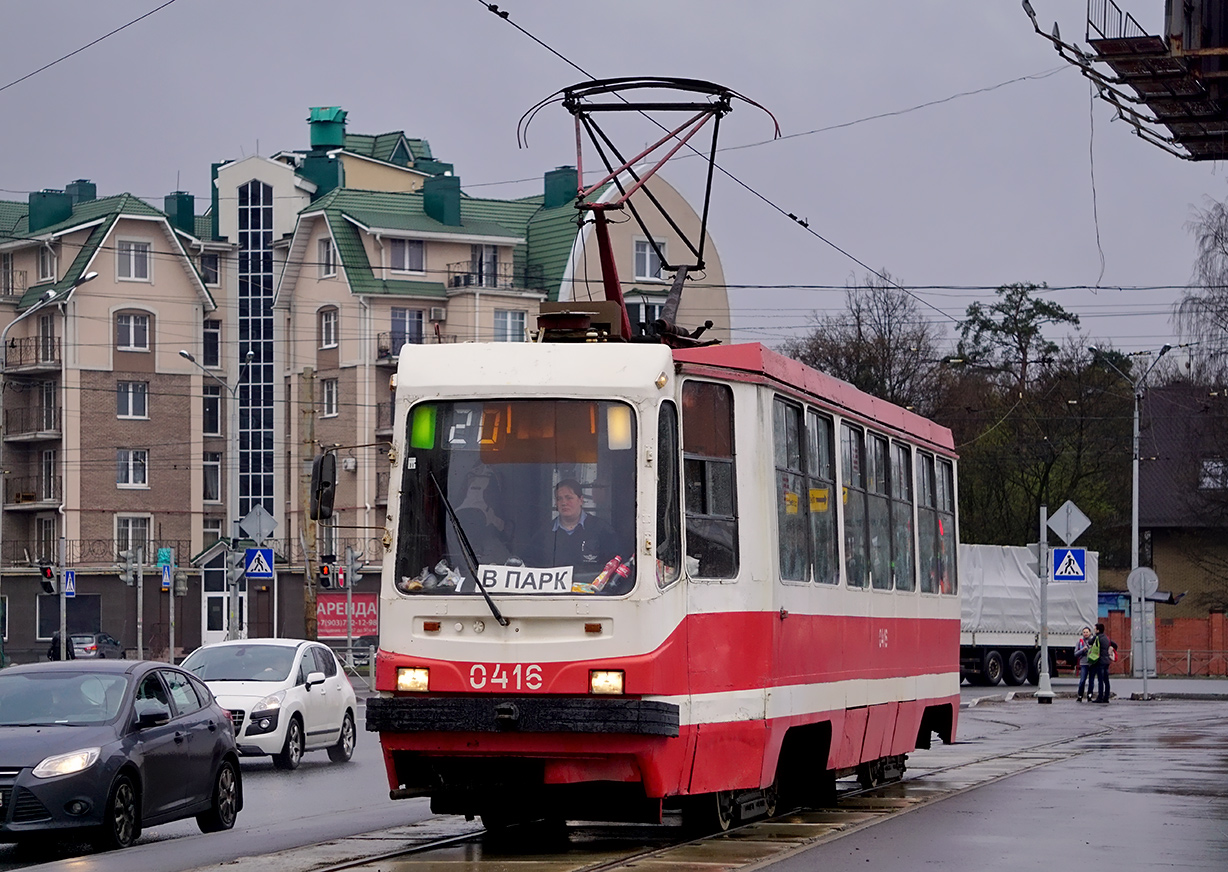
point(709, 492)
point(47, 540)
point(212, 530)
point(406, 328)
point(213, 476)
point(647, 260)
point(132, 467)
point(8, 276)
point(330, 397)
point(49, 481)
point(408, 255)
point(484, 265)
point(131, 399)
point(509, 325)
point(209, 269)
point(328, 328)
point(212, 353)
point(46, 264)
point(131, 532)
point(212, 410)
point(643, 313)
point(1214, 474)
point(132, 259)
point(328, 259)
point(132, 332)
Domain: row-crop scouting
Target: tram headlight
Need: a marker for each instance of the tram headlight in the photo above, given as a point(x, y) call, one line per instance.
point(413, 678)
point(605, 681)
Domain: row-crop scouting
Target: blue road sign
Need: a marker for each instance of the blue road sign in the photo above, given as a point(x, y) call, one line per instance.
point(166, 577)
point(1069, 564)
point(70, 582)
point(259, 562)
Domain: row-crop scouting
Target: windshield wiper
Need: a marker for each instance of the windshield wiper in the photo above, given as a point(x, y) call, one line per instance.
point(470, 557)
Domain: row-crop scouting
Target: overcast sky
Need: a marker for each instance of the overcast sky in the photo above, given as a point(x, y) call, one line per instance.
point(980, 190)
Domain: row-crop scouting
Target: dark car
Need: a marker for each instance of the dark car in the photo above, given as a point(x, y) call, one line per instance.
point(107, 747)
point(96, 645)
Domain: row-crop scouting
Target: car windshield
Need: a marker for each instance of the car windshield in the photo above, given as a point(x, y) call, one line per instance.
point(241, 663)
point(59, 697)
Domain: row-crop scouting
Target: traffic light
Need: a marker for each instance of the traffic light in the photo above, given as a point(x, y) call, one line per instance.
point(323, 486)
point(326, 579)
point(128, 574)
point(340, 576)
point(353, 566)
point(47, 577)
point(1034, 560)
point(234, 566)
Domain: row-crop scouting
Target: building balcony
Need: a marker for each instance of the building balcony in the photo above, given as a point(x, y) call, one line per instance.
point(33, 493)
point(33, 353)
point(388, 345)
point(13, 282)
point(100, 553)
point(501, 275)
point(32, 424)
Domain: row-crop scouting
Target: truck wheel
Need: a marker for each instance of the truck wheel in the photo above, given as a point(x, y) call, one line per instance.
point(993, 668)
point(1034, 670)
point(1016, 668)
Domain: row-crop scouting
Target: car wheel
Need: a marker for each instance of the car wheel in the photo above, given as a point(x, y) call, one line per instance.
point(291, 752)
point(221, 815)
point(344, 749)
point(121, 820)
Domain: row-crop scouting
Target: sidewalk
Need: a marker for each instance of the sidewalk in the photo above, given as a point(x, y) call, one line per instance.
point(1120, 686)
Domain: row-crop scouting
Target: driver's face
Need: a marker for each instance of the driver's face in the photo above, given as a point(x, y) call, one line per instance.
point(568, 503)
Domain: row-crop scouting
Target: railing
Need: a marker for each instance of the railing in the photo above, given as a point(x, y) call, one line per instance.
point(89, 552)
point(1188, 662)
point(388, 345)
point(25, 422)
point(33, 489)
point(502, 274)
point(1105, 18)
point(13, 282)
point(32, 351)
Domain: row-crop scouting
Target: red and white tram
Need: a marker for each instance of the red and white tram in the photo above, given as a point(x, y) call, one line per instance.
point(762, 596)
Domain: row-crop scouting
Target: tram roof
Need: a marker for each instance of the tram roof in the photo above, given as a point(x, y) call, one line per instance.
point(760, 363)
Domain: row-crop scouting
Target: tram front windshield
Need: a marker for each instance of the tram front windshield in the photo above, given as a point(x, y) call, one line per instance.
point(534, 497)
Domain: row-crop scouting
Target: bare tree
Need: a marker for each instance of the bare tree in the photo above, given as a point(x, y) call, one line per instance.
point(881, 344)
point(1202, 312)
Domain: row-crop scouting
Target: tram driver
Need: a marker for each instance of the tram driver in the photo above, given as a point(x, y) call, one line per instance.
point(581, 540)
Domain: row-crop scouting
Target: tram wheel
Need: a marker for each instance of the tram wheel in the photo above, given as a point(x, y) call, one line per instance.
point(709, 813)
point(870, 774)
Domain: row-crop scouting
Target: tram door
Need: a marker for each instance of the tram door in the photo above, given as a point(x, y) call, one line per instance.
point(215, 613)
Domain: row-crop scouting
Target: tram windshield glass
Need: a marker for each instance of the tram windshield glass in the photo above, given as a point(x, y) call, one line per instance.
point(541, 491)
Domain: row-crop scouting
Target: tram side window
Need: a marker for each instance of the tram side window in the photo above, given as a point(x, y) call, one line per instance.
point(852, 450)
point(791, 508)
point(927, 523)
point(879, 512)
point(708, 480)
point(901, 518)
point(669, 515)
point(946, 527)
point(821, 471)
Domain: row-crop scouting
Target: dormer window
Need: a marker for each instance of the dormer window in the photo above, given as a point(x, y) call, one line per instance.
point(408, 255)
point(327, 259)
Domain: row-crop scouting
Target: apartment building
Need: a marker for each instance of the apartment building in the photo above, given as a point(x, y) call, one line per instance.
point(234, 345)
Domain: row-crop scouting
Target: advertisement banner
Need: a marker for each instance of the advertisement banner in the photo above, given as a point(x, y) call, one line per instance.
point(330, 615)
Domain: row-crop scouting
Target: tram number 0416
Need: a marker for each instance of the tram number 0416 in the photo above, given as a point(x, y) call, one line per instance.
point(506, 677)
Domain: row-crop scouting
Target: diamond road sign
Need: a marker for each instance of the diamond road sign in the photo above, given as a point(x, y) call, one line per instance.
point(258, 525)
point(1068, 522)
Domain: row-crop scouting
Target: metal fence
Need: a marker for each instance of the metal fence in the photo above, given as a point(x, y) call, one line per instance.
point(1106, 20)
point(1187, 662)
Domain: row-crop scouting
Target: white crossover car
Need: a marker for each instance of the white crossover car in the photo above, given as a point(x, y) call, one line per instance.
point(285, 697)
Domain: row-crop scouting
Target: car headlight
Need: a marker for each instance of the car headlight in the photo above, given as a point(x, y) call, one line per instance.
point(270, 703)
point(415, 678)
point(67, 764)
point(605, 681)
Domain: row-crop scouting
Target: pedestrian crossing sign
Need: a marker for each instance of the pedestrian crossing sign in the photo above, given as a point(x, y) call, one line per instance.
point(1069, 564)
point(70, 583)
point(259, 562)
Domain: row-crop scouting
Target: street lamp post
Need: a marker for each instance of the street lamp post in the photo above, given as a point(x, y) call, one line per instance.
point(232, 480)
point(1137, 385)
point(49, 297)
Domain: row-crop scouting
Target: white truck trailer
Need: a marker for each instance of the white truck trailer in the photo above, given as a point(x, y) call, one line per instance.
point(1000, 622)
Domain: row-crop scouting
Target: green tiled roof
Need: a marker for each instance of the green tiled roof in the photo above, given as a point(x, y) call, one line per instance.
point(551, 234)
point(109, 209)
point(382, 146)
point(204, 227)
